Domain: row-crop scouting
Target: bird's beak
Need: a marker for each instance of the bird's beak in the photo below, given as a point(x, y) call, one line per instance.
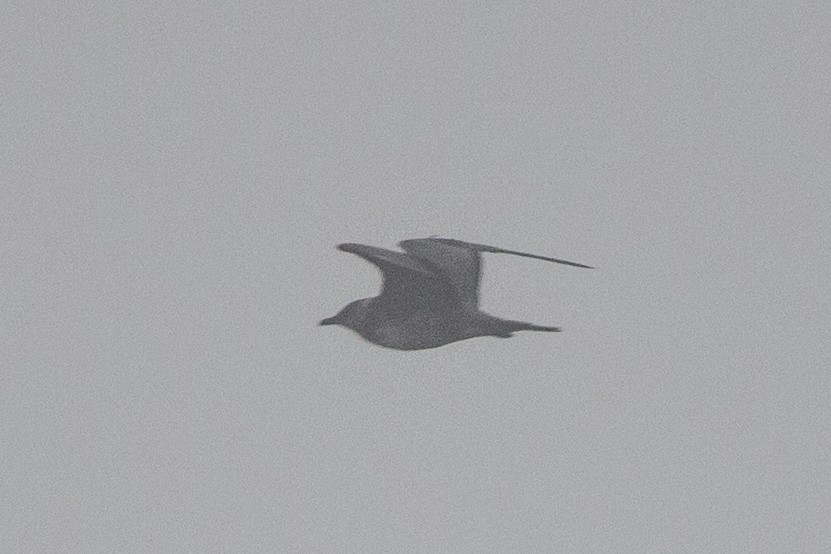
point(328, 321)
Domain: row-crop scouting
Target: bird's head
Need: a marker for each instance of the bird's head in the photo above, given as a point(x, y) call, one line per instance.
point(351, 316)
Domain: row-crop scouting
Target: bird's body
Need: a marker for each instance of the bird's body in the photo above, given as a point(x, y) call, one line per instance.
point(430, 296)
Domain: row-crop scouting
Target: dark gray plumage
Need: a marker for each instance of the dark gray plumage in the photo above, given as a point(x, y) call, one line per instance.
point(430, 296)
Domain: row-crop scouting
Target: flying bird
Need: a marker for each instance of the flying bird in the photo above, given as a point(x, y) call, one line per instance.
point(430, 296)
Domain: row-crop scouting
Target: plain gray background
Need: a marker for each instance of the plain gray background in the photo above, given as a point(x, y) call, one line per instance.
point(175, 176)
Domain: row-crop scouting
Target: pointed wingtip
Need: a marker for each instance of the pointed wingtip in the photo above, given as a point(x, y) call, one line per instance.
point(351, 247)
point(495, 250)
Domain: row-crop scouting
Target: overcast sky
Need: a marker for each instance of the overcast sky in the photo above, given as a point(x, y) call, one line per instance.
point(175, 176)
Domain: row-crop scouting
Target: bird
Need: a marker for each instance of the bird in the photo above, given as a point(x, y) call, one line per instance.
point(430, 295)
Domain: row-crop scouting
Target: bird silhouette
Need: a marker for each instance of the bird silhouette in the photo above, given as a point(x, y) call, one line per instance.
point(430, 295)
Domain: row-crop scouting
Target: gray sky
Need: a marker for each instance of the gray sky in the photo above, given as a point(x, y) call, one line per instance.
point(175, 179)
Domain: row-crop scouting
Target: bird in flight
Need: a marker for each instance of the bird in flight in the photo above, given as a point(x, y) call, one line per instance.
point(430, 296)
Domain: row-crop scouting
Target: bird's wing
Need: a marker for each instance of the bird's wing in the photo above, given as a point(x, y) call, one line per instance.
point(409, 284)
point(493, 249)
point(458, 263)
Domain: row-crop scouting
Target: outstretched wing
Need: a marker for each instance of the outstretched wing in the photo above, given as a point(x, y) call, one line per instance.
point(486, 248)
point(459, 264)
point(409, 284)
